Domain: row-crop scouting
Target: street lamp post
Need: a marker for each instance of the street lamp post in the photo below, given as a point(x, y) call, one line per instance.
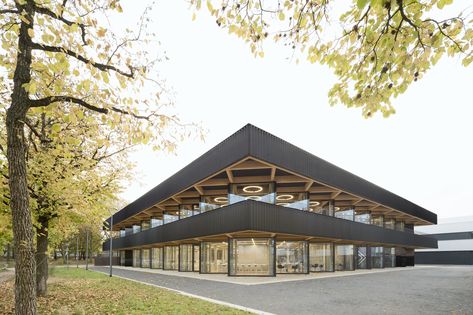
point(111, 243)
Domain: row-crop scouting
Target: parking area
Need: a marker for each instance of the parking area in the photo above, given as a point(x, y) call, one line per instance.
point(418, 290)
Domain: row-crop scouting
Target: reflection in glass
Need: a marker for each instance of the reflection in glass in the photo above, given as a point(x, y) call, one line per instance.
point(157, 258)
point(390, 224)
point(188, 211)
point(362, 217)
point(252, 257)
point(321, 207)
point(170, 216)
point(291, 257)
point(400, 225)
point(136, 228)
point(136, 258)
point(171, 257)
point(260, 192)
point(389, 257)
point(346, 213)
point(377, 220)
point(122, 258)
point(361, 257)
point(156, 222)
point(196, 257)
point(122, 232)
point(145, 258)
point(298, 201)
point(214, 257)
point(321, 256)
point(377, 257)
point(208, 203)
point(344, 257)
point(185, 261)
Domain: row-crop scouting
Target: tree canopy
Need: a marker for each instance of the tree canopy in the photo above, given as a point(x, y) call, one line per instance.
point(376, 48)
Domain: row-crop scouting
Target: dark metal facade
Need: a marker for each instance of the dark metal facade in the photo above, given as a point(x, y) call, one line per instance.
point(251, 141)
point(445, 258)
point(259, 216)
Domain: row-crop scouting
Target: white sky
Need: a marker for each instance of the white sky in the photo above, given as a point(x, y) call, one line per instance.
point(422, 153)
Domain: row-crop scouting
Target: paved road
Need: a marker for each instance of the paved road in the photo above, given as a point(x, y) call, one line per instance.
point(432, 290)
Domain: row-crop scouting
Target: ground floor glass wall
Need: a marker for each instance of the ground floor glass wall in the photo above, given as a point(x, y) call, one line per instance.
point(145, 258)
point(157, 258)
point(196, 259)
point(291, 257)
point(214, 257)
point(377, 257)
point(171, 257)
point(136, 258)
point(389, 257)
point(252, 257)
point(321, 257)
point(344, 257)
point(362, 257)
point(185, 259)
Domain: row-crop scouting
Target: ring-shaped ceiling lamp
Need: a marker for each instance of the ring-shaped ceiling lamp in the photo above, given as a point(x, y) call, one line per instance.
point(284, 197)
point(257, 198)
point(314, 203)
point(337, 208)
point(221, 199)
point(252, 189)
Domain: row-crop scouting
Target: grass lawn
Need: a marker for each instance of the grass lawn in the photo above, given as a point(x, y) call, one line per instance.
point(77, 291)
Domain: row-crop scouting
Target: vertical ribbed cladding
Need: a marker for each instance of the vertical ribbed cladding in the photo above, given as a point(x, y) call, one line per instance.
point(260, 216)
point(274, 150)
point(227, 152)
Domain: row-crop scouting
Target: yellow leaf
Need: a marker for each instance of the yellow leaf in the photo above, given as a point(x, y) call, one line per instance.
point(32, 88)
point(101, 32)
point(261, 54)
point(76, 72)
point(31, 32)
point(281, 15)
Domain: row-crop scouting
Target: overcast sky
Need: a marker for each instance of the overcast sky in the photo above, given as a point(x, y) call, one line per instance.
point(423, 153)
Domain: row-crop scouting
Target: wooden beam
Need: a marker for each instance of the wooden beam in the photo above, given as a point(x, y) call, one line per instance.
point(273, 174)
point(199, 189)
point(229, 175)
point(308, 185)
point(321, 189)
point(335, 194)
point(176, 199)
point(250, 164)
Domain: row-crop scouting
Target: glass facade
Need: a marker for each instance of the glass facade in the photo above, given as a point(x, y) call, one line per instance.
point(136, 258)
point(188, 211)
point(157, 258)
point(136, 228)
point(362, 257)
point(377, 257)
point(320, 207)
point(345, 213)
point(170, 216)
point(186, 262)
point(208, 203)
point(259, 192)
point(400, 225)
point(344, 257)
point(389, 257)
point(321, 257)
point(214, 257)
point(196, 260)
point(377, 220)
point(390, 224)
point(145, 225)
point(291, 257)
point(122, 258)
point(145, 258)
point(362, 217)
point(156, 222)
point(171, 257)
point(252, 257)
point(298, 201)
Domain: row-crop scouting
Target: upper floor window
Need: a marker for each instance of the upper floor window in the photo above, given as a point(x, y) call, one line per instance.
point(260, 192)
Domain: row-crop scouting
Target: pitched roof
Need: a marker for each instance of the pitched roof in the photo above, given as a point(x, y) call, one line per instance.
point(251, 141)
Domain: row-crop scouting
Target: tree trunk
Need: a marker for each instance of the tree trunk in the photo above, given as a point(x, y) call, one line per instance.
point(25, 267)
point(42, 257)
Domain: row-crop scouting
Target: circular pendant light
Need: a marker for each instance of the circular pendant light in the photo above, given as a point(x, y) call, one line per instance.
point(284, 197)
point(314, 203)
point(252, 189)
point(221, 199)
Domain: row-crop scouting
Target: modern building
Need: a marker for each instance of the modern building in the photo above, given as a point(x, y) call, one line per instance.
point(455, 242)
point(256, 205)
